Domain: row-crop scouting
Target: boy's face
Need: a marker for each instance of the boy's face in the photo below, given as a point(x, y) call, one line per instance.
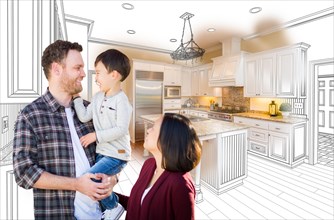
point(103, 78)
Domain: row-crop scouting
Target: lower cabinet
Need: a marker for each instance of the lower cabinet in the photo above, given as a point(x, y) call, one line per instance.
point(15, 202)
point(283, 143)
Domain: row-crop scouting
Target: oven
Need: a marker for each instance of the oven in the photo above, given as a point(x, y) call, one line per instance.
point(220, 116)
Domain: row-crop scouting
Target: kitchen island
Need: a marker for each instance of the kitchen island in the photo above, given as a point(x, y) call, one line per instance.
point(223, 163)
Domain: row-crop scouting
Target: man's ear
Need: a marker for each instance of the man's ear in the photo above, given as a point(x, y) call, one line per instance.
point(55, 68)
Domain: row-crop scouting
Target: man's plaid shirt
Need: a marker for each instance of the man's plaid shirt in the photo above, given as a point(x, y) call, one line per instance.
point(42, 142)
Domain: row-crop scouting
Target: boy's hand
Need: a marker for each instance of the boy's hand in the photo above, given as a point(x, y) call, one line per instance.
point(88, 139)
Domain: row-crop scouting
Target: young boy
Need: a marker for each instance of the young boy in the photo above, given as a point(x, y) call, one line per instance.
point(111, 114)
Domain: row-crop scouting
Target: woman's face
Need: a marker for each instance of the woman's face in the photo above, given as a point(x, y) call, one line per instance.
point(152, 135)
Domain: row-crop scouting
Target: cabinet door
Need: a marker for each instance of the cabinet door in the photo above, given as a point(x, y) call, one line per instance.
point(218, 69)
point(279, 146)
point(204, 83)
point(25, 32)
point(251, 77)
point(195, 75)
point(172, 76)
point(286, 73)
point(15, 202)
point(186, 83)
point(267, 74)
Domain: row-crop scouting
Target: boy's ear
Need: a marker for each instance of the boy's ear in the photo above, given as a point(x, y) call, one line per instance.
point(116, 74)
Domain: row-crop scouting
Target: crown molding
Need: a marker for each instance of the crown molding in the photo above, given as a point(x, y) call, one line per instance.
point(293, 23)
point(122, 44)
point(82, 21)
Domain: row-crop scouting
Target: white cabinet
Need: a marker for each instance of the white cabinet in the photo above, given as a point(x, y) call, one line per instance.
point(195, 80)
point(171, 104)
point(279, 146)
point(185, 82)
point(27, 28)
point(172, 75)
point(200, 82)
point(260, 73)
point(15, 202)
point(280, 142)
point(291, 71)
point(277, 73)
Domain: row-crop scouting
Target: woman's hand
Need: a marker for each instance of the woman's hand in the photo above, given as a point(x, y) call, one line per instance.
point(88, 139)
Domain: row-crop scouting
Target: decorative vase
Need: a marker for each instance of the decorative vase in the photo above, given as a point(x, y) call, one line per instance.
point(285, 114)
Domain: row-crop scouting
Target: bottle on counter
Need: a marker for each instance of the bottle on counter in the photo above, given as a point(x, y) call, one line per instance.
point(272, 109)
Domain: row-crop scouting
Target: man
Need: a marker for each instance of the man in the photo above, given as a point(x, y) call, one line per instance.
point(47, 154)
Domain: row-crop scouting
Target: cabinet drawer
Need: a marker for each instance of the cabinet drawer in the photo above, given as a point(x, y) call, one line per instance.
point(172, 106)
point(251, 122)
point(258, 134)
point(172, 101)
point(258, 147)
point(279, 127)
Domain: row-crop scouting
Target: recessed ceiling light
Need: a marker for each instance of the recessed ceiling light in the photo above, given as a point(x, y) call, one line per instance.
point(211, 30)
point(173, 40)
point(131, 31)
point(128, 6)
point(255, 10)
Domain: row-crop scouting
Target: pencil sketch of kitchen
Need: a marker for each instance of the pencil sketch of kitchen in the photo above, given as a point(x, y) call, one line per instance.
point(288, 165)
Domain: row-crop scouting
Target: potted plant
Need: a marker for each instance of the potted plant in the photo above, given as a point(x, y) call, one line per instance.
point(285, 108)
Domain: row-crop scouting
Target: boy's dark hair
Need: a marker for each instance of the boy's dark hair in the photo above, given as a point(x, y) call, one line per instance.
point(179, 144)
point(115, 60)
point(57, 52)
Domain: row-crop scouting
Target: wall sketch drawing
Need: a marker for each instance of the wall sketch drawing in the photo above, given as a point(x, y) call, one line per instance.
point(271, 170)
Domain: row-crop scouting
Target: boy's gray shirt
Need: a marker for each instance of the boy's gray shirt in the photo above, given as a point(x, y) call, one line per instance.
point(111, 118)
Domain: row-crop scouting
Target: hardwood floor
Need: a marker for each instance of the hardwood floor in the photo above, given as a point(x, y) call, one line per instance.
point(269, 192)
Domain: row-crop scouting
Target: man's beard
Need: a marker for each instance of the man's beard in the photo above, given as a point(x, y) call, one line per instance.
point(69, 85)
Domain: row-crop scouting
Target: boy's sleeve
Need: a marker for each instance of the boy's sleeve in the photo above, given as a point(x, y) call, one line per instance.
point(85, 114)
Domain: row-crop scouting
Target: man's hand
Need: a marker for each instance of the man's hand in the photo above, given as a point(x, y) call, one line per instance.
point(88, 139)
point(96, 191)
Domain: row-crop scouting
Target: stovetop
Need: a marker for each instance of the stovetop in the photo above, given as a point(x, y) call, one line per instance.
point(228, 111)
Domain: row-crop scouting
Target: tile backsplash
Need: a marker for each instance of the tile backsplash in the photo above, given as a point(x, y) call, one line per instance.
point(234, 96)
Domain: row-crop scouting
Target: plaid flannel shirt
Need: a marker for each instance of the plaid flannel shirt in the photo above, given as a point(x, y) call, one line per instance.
point(42, 142)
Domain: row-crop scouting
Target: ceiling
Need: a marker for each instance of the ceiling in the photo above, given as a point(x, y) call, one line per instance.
point(156, 22)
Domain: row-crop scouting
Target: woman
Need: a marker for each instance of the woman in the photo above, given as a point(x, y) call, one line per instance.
point(164, 189)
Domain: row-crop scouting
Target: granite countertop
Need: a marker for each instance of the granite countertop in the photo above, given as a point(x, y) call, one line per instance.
point(280, 118)
point(206, 126)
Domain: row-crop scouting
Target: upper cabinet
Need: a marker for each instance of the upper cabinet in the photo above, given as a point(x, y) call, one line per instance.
point(291, 71)
point(172, 75)
point(25, 33)
point(227, 71)
point(260, 73)
point(277, 73)
point(186, 81)
point(200, 82)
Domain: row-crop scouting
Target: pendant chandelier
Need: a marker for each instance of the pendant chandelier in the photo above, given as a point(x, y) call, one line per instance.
point(188, 50)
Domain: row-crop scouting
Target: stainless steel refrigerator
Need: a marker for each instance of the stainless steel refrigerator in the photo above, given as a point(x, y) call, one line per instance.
point(148, 98)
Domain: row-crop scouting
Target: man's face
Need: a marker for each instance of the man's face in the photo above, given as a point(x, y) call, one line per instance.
point(73, 73)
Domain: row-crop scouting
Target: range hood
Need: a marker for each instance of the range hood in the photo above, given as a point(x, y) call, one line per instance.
point(228, 70)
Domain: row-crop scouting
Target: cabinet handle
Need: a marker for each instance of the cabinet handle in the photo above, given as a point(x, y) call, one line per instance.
point(257, 135)
point(277, 128)
point(257, 124)
point(240, 122)
point(257, 148)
